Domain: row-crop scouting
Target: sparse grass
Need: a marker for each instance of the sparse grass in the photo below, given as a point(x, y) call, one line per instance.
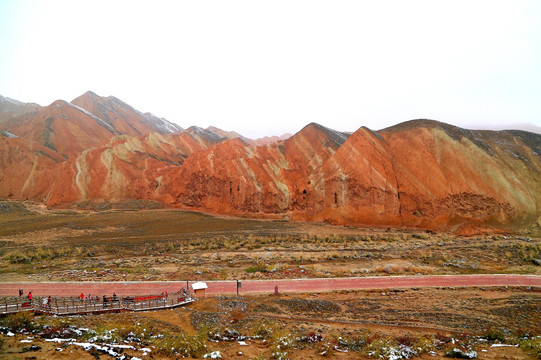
point(183, 345)
point(20, 321)
point(238, 248)
point(532, 347)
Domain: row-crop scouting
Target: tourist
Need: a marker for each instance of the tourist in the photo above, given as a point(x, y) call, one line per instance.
point(30, 296)
point(81, 297)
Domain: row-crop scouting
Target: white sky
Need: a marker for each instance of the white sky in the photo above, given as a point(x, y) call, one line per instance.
point(269, 67)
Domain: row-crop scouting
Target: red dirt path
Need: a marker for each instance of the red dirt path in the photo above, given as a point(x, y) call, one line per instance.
point(267, 286)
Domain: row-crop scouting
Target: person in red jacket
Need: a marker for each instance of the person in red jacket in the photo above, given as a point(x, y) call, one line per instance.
point(30, 297)
point(81, 297)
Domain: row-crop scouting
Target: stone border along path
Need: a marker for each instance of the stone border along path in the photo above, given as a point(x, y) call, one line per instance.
point(127, 288)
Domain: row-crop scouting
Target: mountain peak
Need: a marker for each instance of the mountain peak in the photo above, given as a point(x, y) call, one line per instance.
point(337, 137)
point(123, 117)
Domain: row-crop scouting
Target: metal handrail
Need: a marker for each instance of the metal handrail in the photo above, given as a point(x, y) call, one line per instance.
point(71, 306)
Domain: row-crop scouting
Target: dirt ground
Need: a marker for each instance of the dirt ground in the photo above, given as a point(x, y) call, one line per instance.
point(37, 244)
point(46, 245)
point(480, 317)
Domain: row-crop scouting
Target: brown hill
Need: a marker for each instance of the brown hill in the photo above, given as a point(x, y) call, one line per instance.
point(420, 173)
point(27, 168)
point(125, 168)
point(230, 135)
point(61, 127)
point(122, 117)
point(234, 177)
point(10, 108)
point(260, 141)
point(432, 175)
point(271, 139)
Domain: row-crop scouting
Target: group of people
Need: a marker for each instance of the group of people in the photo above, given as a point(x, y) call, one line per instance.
point(29, 296)
point(89, 298)
point(96, 299)
point(45, 302)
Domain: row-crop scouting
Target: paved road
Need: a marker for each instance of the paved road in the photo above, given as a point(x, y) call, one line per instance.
point(267, 286)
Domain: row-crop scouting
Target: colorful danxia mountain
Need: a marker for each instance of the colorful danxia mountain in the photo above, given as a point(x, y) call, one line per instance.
point(99, 152)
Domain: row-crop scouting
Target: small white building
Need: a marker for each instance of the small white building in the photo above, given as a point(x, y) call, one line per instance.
point(199, 289)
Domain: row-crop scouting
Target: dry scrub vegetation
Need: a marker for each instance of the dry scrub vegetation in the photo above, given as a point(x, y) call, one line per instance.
point(382, 324)
point(178, 245)
point(37, 244)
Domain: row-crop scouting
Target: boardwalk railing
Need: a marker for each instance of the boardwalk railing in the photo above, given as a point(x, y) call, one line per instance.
point(74, 306)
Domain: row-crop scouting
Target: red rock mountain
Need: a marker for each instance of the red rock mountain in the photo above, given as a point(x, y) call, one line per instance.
point(271, 139)
point(234, 177)
point(421, 173)
point(27, 168)
point(61, 126)
point(122, 117)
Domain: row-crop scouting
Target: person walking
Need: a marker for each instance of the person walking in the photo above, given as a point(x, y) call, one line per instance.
point(81, 297)
point(30, 297)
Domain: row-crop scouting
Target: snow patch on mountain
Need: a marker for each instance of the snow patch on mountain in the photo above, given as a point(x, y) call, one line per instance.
point(97, 119)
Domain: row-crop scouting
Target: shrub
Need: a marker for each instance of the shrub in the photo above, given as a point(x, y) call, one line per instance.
point(532, 346)
point(264, 328)
point(424, 344)
point(492, 334)
point(259, 266)
point(183, 345)
point(19, 321)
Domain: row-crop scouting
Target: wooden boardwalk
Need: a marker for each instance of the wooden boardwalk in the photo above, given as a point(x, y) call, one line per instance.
point(75, 306)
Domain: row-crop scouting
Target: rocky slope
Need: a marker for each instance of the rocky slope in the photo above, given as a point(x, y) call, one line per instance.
point(433, 175)
point(420, 173)
point(234, 177)
point(27, 169)
point(123, 169)
point(61, 127)
point(122, 117)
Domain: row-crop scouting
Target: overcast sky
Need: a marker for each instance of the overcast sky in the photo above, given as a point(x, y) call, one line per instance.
point(269, 67)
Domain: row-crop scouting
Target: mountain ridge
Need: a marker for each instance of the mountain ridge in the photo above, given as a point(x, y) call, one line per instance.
point(420, 174)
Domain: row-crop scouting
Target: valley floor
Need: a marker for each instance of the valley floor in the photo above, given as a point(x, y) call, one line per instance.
point(39, 245)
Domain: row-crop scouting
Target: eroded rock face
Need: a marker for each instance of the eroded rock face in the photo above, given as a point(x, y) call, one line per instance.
point(124, 168)
point(420, 173)
point(431, 175)
point(234, 177)
point(27, 169)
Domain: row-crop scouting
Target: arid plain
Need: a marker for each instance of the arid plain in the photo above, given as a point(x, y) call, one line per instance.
point(39, 245)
